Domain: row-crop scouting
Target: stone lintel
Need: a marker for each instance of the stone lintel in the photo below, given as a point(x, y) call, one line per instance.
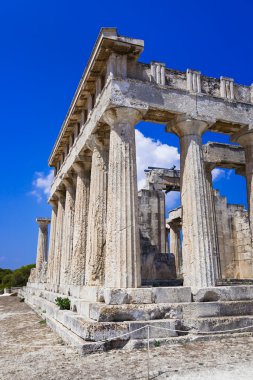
point(175, 215)
point(164, 105)
point(224, 155)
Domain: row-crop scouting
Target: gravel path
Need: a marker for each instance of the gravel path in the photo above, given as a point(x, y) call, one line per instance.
point(29, 350)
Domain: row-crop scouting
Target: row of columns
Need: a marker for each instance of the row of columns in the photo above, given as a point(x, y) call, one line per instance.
point(95, 233)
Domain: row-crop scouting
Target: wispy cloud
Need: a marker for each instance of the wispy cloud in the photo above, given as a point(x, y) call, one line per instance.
point(42, 184)
point(218, 173)
point(151, 152)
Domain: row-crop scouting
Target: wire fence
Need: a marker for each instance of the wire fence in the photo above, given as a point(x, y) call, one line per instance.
point(148, 327)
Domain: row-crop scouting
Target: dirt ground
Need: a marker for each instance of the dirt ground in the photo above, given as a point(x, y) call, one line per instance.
point(30, 350)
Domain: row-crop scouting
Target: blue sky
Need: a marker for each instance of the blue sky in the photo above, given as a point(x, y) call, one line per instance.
point(44, 48)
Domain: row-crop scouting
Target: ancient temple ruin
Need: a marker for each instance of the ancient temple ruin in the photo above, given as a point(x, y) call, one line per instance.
point(108, 249)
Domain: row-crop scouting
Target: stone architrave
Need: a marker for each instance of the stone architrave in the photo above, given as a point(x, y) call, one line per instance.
point(122, 265)
point(80, 223)
point(67, 247)
point(58, 237)
point(50, 269)
point(245, 138)
point(42, 243)
point(96, 235)
point(198, 268)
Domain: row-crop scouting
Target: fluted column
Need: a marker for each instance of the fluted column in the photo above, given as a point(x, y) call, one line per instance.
point(58, 237)
point(42, 243)
point(213, 223)
point(67, 246)
point(198, 268)
point(96, 236)
point(50, 267)
point(175, 246)
point(122, 265)
point(80, 223)
point(245, 138)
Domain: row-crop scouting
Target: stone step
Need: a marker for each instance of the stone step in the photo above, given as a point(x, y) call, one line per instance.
point(119, 313)
point(224, 293)
point(80, 345)
point(217, 324)
point(235, 282)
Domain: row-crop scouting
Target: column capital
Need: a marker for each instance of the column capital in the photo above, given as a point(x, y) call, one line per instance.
point(244, 137)
point(43, 222)
point(68, 183)
point(53, 202)
point(81, 167)
point(60, 195)
point(186, 125)
point(122, 115)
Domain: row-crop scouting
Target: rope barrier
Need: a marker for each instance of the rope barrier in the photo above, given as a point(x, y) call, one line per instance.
point(176, 330)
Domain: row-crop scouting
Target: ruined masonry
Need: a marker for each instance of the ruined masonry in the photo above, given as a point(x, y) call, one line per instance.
point(108, 250)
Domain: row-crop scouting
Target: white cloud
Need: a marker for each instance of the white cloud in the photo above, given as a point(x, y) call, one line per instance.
point(42, 184)
point(217, 174)
point(150, 152)
point(221, 173)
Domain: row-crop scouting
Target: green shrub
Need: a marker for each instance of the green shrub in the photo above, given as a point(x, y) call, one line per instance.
point(157, 343)
point(63, 303)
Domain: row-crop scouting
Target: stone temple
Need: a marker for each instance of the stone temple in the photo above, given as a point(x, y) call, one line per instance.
point(108, 250)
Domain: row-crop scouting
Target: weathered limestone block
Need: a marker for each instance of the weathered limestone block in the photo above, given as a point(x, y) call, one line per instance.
point(68, 230)
point(59, 238)
point(122, 265)
point(156, 266)
point(245, 138)
point(80, 224)
point(224, 293)
point(197, 243)
point(241, 242)
point(147, 295)
point(234, 239)
point(96, 238)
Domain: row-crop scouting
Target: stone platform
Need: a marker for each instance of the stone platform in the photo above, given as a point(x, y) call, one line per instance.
point(104, 318)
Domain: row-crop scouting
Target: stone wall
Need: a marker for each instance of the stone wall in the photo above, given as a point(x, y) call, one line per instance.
point(156, 263)
point(233, 239)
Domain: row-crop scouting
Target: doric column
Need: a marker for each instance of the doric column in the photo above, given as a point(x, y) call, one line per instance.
point(58, 237)
point(245, 138)
point(50, 266)
point(80, 223)
point(122, 266)
point(175, 246)
point(42, 243)
point(96, 236)
point(198, 266)
point(68, 231)
point(213, 223)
